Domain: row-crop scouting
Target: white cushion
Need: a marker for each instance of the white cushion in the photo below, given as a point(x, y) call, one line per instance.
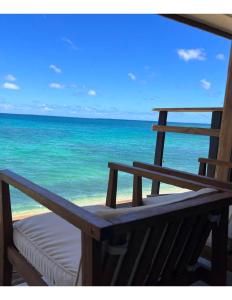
point(53, 246)
point(177, 197)
point(109, 213)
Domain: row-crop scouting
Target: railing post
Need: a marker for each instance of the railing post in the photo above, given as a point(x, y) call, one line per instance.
point(202, 169)
point(112, 188)
point(159, 149)
point(6, 234)
point(214, 141)
point(137, 199)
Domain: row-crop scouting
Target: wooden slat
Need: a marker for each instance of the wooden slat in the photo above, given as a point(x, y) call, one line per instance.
point(130, 257)
point(180, 242)
point(189, 109)
point(188, 252)
point(111, 261)
point(152, 244)
point(222, 163)
point(77, 216)
point(26, 270)
point(159, 262)
point(187, 130)
point(186, 175)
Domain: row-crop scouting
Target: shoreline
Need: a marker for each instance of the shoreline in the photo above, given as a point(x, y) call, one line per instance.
point(86, 202)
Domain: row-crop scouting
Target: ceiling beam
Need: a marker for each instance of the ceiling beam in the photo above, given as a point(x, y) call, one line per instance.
point(194, 23)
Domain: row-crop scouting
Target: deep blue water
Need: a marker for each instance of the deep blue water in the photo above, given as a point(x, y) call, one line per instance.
point(69, 156)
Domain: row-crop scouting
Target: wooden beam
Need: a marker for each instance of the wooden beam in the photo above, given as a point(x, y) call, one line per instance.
point(184, 19)
point(225, 139)
point(187, 130)
point(188, 109)
point(222, 163)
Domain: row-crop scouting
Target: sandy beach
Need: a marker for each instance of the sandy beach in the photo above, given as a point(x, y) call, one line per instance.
point(87, 202)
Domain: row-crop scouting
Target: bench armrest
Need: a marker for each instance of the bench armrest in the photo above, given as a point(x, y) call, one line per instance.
point(77, 216)
point(141, 171)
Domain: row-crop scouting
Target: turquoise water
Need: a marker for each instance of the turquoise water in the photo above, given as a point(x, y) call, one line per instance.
point(69, 156)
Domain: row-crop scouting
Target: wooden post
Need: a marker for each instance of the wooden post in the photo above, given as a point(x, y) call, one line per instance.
point(225, 139)
point(137, 199)
point(159, 149)
point(6, 234)
point(112, 189)
point(91, 261)
point(214, 141)
point(219, 249)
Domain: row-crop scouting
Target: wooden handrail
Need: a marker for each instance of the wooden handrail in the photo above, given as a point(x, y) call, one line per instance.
point(188, 109)
point(222, 163)
point(87, 222)
point(213, 183)
point(175, 180)
point(187, 130)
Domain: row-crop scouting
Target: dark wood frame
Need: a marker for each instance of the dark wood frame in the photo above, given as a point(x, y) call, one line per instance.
point(162, 128)
point(95, 230)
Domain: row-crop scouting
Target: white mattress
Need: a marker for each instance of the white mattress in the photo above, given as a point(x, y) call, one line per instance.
point(51, 245)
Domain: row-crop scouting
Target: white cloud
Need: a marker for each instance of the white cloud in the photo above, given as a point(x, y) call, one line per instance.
point(205, 84)
point(70, 43)
point(191, 54)
point(10, 86)
point(92, 93)
point(10, 77)
point(55, 69)
point(6, 106)
point(132, 76)
point(55, 85)
point(220, 56)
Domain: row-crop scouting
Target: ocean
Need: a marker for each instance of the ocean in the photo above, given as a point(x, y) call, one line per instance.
point(69, 156)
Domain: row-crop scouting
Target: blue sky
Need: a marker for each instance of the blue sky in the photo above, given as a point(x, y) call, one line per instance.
point(108, 66)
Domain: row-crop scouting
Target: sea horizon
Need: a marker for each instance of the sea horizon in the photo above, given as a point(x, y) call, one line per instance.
point(100, 118)
point(69, 156)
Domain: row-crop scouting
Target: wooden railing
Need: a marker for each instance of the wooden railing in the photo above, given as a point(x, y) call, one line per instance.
point(161, 128)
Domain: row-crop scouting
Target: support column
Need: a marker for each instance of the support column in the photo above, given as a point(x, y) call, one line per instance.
point(225, 139)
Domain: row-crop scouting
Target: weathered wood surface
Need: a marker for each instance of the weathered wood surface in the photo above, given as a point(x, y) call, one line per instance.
point(187, 130)
point(186, 20)
point(186, 176)
point(225, 139)
point(72, 213)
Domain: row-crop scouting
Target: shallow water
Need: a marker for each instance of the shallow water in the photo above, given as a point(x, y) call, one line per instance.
point(69, 156)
